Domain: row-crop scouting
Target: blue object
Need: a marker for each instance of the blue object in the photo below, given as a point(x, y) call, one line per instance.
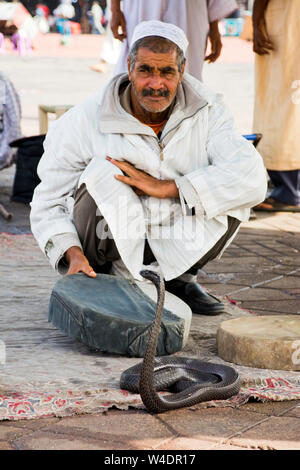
point(232, 26)
point(254, 138)
point(250, 136)
point(63, 26)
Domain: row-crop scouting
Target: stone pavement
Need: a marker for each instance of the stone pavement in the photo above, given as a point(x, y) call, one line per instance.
point(260, 271)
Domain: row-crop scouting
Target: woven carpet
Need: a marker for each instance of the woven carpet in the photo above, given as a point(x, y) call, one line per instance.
point(44, 373)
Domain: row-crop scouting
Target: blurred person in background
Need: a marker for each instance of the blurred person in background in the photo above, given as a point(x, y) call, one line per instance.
point(111, 47)
point(65, 10)
point(41, 17)
point(63, 13)
point(96, 13)
point(276, 36)
point(197, 18)
point(10, 120)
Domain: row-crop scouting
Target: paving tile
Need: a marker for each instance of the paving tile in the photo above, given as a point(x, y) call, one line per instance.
point(280, 433)
point(294, 292)
point(117, 426)
point(286, 282)
point(11, 430)
point(281, 249)
point(44, 440)
point(6, 446)
point(272, 408)
point(29, 424)
point(293, 260)
point(279, 223)
point(232, 267)
point(290, 242)
point(261, 294)
point(287, 307)
point(222, 289)
point(203, 279)
point(260, 254)
point(186, 443)
point(233, 254)
point(230, 447)
point(295, 413)
point(259, 312)
point(236, 252)
point(287, 270)
point(251, 279)
point(248, 235)
point(244, 245)
point(209, 424)
point(226, 278)
point(8, 433)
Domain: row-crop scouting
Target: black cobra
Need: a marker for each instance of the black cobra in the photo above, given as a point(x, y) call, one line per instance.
point(192, 380)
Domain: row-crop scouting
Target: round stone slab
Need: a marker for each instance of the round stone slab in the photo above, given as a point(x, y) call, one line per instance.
point(265, 342)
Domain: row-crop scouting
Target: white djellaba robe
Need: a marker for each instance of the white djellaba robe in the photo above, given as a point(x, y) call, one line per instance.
point(217, 171)
point(193, 16)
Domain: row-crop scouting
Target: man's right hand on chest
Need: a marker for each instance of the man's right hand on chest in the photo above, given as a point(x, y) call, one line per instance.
point(78, 262)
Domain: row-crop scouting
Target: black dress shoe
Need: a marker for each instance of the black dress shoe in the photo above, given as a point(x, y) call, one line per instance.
point(197, 299)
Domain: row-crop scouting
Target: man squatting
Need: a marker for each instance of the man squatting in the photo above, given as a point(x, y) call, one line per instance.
point(148, 171)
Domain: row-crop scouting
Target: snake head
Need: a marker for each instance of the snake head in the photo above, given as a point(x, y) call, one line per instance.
point(151, 275)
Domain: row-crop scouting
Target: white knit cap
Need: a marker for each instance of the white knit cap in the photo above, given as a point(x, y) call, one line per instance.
point(164, 30)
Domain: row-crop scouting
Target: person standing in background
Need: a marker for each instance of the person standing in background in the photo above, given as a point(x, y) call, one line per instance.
point(97, 14)
point(111, 47)
point(10, 120)
point(198, 19)
point(276, 36)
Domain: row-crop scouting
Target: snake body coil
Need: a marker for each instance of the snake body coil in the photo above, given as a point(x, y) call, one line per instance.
point(193, 380)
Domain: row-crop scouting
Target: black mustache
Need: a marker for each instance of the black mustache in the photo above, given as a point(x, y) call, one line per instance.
point(152, 92)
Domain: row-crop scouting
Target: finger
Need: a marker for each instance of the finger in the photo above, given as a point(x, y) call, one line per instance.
point(124, 166)
point(214, 57)
point(114, 31)
point(121, 37)
point(117, 35)
point(209, 58)
point(261, 50)
point(262, 44)
point(86, 269)
point(89, 271)
point(218, 52)
point(215, 52)
point(124, 31)
point(119, 31)
point(113, 161)
point(117, 162)
point(126, 179)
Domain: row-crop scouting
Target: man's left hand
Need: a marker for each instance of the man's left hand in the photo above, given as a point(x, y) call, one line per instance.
point(144, 184)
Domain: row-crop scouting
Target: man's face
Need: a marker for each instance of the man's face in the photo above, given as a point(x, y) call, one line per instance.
point(155, 79)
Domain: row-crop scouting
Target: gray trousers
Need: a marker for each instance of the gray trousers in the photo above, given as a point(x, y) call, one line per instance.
point(102, 251)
